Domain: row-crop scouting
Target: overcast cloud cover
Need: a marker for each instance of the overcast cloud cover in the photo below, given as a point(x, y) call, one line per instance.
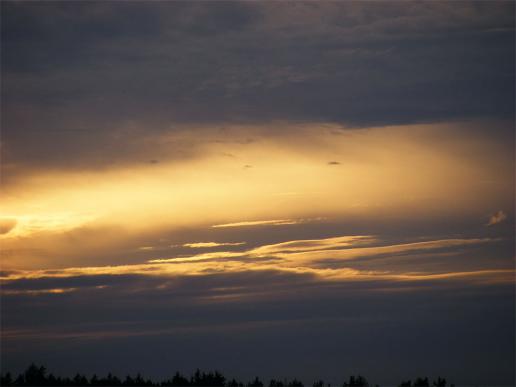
point(81, 79)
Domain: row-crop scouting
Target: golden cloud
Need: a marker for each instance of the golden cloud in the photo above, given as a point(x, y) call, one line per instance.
point(295, 257)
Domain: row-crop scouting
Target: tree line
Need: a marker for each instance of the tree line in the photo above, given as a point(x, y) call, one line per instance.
point(38, 376)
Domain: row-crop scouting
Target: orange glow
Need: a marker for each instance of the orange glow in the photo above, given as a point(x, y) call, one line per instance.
point(326, 173)
point(298, 257)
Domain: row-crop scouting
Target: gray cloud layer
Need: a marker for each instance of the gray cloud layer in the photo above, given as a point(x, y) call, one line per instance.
point(253, 320)
point(231, 322)
point(79, 78)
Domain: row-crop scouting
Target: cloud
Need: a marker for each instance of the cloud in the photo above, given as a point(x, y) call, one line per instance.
point(312, 257)
point(313, 244)
point(274, 222)
point(146, 248)
point(307, 285)
point(175, 190)
point(200, 245)
point(333, 163)
point(282, 62)
point(25, 225)
point(496, 218)
point(206, 257)
point(6, 225)
point(329, 255)
point(38, 292)
point(267, 317)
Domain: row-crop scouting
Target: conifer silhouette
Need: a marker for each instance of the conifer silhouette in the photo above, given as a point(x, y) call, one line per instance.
point(37, 376)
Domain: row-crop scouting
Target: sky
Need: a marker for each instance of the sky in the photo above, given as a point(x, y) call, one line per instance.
point(283, 189)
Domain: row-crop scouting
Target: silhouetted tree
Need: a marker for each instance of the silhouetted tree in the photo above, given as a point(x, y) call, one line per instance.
point(35, 376)
point(295, 383)
point(420, 382)
point(234, 383)
point(255, 383)
point(94, 380)
point(210, 379)
point(440, 382)
point(79, 380)
point(177, 380)
point(6, 380)
point(110, 380)
point(358, 381)
point(276, 383)
point(139, 380)
point(217, 379)
point(20, 381)
point(128, 381)
point(195, 379)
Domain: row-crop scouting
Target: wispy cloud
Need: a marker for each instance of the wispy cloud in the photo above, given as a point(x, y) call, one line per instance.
point(273, 222)
point(496, 218)
point(313, 244)
point(294, 257)
point(363, 252)
point(146, 248)
point(200, 245)
point(37, 292)
point(27, 225)
point(200, 257)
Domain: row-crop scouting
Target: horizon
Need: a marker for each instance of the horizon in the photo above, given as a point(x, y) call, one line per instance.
point(35, 375)
point(284, 189)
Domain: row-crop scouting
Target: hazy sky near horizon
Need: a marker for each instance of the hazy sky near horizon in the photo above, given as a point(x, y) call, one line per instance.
point(285, 189)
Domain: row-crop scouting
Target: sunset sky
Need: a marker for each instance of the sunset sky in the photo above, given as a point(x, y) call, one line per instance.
point(283, 189)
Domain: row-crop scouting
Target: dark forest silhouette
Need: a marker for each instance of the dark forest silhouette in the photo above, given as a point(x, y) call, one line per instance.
point(38, 376)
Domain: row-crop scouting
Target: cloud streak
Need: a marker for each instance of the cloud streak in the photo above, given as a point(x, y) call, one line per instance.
point(252, 223)
point(312, 257)
point(202, 245)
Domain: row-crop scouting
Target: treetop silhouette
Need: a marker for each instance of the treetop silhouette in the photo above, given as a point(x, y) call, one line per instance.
point(38, 376)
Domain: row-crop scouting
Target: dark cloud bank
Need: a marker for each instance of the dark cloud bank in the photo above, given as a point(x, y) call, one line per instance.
point(274, 323)
point(351, 62)
point(297, 326)
point(91, 77)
